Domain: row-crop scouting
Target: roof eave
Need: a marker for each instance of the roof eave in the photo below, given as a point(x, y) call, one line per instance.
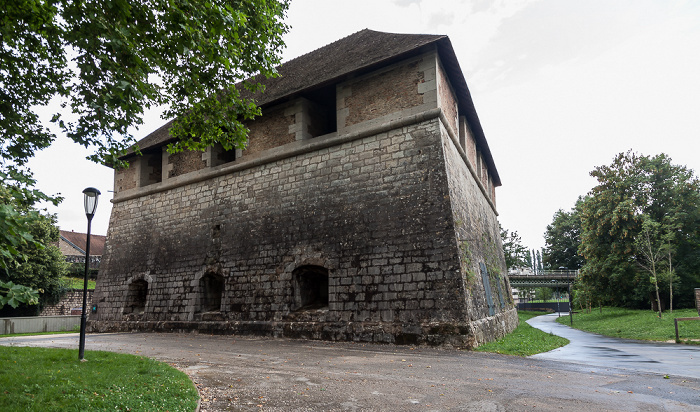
point(464, 97)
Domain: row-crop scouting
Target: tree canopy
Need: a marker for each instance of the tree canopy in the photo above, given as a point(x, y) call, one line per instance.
point(515, 253)
point(107, 62)
point(562, 239)
point(632, 190)
point(35, 264)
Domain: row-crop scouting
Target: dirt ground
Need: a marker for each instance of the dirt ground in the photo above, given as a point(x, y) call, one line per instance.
point(259, 374)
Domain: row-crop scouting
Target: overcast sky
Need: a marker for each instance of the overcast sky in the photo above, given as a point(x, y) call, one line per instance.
point(560, 87)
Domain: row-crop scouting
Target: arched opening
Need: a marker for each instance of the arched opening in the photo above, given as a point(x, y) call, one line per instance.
point(136, 297)
point(211, 288)
point(310, 287)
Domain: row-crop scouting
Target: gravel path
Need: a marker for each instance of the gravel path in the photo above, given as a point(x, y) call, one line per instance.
point(254, 374)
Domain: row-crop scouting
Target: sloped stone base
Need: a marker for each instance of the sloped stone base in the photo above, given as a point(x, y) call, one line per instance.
point(464, 335)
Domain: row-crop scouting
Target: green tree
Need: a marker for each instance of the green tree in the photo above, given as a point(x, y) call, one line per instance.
point(16, 215)
point(36, 263)
point(109, 61)
point(42, 268)
point(528, 260)
point(515, 253)
point(651, 246)
point(544, 294)
point(129, 56)
point(632, 187)
point(562, 240)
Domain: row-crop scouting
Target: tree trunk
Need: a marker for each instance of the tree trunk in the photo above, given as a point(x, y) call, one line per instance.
point(658, 300)
point(670, 282)
point(652, 260)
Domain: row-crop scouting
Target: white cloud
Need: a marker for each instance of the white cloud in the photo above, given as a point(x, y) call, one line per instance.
point(556, 118)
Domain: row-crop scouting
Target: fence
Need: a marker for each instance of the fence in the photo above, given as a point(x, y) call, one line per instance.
point(37, 324)
point(544, 306)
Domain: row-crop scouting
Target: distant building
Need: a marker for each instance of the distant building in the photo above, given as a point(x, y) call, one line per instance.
point(72, 245)
point(362, 209)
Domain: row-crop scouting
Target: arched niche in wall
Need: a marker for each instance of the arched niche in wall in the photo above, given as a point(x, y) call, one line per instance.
point(211, 289)
point(136, 297)
point(310, 283)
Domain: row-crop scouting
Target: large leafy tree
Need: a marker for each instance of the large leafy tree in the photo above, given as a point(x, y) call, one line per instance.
point(40, 268)
point(515, 253)
point(108, 61)
point(562, 240)
point(632, 189)
point(36, 264)
point(111, 60)
point(17, 216)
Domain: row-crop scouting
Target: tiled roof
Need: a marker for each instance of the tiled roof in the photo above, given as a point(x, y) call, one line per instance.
point(357, 53)
point(79, 241)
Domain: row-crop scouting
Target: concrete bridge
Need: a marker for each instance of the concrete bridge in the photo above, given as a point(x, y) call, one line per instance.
point(545, 278)
point(556, 279)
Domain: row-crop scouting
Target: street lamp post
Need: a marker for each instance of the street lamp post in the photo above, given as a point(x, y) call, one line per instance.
point(556, 289)
point(91, 196)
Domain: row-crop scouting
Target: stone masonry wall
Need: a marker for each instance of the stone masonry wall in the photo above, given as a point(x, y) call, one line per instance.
point(65, 248)
point(375, 212)
point(125, 179)
point(484, 172)
point(383, 93)
point(448, 102)
point(184, 162)
point(471, 146)
point(389, 210)
point(270, 130)
point(71, 300)
point(477, 235)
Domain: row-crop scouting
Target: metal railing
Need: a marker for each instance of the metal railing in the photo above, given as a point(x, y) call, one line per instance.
point(545, 273)
point(545, 278)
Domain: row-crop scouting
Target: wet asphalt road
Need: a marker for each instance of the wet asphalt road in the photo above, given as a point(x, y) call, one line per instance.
point(602, 351)
point(254, 374)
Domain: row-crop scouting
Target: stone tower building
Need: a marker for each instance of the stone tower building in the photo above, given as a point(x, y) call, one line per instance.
point(363, 209)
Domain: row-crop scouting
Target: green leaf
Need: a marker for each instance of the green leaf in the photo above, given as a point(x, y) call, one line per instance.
point(128, 56)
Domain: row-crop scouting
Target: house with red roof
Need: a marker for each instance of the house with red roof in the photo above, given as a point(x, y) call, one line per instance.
point(73, 244)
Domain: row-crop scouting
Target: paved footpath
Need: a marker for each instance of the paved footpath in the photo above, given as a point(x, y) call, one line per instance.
point(253, 374)
point(596, 350)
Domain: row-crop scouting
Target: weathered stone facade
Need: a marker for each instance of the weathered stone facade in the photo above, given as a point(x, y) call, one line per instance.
point(363, 209)
point(71, 301)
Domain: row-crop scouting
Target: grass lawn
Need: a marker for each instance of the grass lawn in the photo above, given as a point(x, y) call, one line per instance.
point(40, 379)
point(638, 324)
point(525, 340)
point(77, 283)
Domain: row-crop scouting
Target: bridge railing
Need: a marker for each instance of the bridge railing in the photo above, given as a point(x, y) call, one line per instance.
point(545, 273)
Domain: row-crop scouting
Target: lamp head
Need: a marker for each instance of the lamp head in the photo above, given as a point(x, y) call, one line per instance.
point(91, 195)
